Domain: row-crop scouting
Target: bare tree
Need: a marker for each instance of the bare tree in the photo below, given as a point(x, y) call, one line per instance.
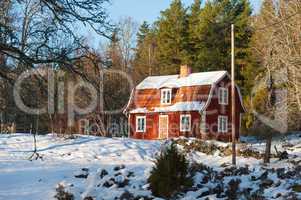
point(36, 25)
point(127, 30)
point(277, 44)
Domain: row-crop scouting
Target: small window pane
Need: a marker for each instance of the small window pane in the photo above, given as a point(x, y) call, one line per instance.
point(223, 96)
point(167, 97)
point(223, 124)
point(140, 124)
point(185, 123)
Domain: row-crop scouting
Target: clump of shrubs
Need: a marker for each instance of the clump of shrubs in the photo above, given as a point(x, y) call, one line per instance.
point(171, 173)
point(62, 194)
point(233, 188)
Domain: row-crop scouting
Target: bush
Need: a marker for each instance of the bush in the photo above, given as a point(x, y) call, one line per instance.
point(62, 194)
point(170, 173)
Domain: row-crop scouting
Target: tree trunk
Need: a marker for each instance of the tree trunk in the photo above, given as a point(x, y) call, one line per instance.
point(267, 154)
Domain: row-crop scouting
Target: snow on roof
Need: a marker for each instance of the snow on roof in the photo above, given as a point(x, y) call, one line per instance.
point(174, 81)
point(177, 107)
point(139, 110)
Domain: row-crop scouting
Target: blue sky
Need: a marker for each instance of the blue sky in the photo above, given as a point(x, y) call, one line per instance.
point(139, 10)
point(148, 10)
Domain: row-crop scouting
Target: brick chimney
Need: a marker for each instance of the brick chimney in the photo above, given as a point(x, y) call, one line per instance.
point(185, 71)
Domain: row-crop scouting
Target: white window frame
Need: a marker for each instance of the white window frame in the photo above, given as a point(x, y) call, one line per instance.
point(181, 125)
point(203, 124)
point(223, 96)
point(166, 101)
point(222, 124)
point(137, 124)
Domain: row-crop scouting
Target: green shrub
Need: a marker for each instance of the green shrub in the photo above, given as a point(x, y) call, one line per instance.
point(170, 174)
point(62, 194)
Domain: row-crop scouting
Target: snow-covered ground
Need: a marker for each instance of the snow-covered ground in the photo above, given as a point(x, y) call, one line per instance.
point(21, 179)
point(104, 168)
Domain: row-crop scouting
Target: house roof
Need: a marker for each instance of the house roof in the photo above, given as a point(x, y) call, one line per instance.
point(206, 80)
point(174, 81)
point(177, 107)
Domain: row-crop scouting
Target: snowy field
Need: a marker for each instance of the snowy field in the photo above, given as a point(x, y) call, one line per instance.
point(21, 179)
point(105, 168)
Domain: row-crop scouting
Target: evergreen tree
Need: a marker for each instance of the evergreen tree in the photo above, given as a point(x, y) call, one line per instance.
point(214, 32)
point(193, 22)
point(255, 68)
point(171, 173)
point(113, 57)
point(172, 38)
point(143, 37)
point(145, 60)
point(195, 10)
point(142, 33)
point(199, 37)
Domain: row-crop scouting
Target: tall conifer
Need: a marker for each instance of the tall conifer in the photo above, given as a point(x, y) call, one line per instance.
point(193, 21)
point(172, 38)
point(215, 35)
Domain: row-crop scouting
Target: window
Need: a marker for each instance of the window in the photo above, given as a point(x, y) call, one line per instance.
point(223, 96)
point(166, 96)
point(203, 125)
point(141, 124)
point(185, 123)
point(222, 124)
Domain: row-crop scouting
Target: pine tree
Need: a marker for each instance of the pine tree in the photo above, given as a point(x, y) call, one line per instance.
point(171, 173)
point(255, 67)
point(145, 60)
point(199, 37)
point(172, 38)
point(113, 57)
point(142, 33)
point(215, 35)
point(193, 22)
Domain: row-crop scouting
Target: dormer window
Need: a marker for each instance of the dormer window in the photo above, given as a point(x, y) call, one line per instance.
point(166, 96)
point(223, 96)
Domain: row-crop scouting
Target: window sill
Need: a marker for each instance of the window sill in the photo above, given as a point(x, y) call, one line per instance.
point(165, 104)
point(222, 132)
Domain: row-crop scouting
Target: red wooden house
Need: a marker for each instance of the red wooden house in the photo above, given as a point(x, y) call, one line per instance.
point(189, 104)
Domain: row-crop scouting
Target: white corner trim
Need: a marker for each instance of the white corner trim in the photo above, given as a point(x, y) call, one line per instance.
point(240, 98)
point(210, 97)
point(130, 100)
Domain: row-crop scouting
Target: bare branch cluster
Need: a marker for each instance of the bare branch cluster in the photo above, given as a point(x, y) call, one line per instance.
point(44, 32)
